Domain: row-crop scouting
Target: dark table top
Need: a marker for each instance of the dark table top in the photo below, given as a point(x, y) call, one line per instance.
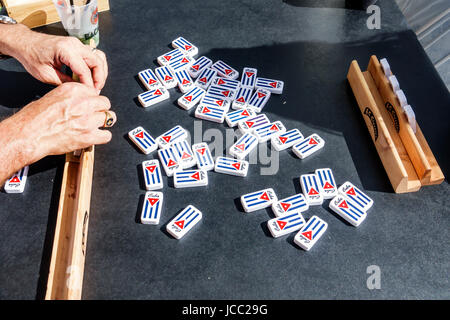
point(230, 254)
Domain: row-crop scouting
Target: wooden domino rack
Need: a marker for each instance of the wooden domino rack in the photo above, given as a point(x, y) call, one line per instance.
point(406, 156)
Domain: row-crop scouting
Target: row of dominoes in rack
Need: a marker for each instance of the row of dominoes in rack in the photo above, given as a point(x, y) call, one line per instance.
point(348, 201)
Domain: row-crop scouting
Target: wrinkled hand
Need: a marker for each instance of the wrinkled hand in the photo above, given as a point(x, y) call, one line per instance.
point(65, 119)
point(43, 55)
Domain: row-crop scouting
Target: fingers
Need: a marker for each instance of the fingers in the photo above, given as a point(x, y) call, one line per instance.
point(96, 61)
point(102, 119)
point(79, 67)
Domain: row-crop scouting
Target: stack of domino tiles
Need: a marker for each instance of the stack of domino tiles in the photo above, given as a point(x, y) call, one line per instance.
point(347, 201)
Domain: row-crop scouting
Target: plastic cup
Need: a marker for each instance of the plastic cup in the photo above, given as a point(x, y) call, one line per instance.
point(80, 21)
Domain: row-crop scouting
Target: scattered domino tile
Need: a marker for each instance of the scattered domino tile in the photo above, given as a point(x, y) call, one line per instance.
point(307, 237)
point(210, 113)
point(269, 130)
point(401, 98)
point(244, 146)
point(184, 154)
point(308, 146)
point(258, 200)
point(164, 59)
point(16, 184)
point(274, 86)
point(143, 140)
point(181, 63)
point(311, 191)
point(184, 222)
point(185, 46)
point(348, 210)
point(169, 160)
point(148, 79)
point(151, 210)
point(234, 117)
point(199, 65)
point(205, 78)
point(211, 101)
point(166, 76)
point(225, 70)
point(175, 134)
point(327, 184)
point(152, 175)
point(248, 78)
point(185, 82)
point(191, 98)
point(203, 156)
point(253, 122)
point(231, 166)
point(286, 224)
point(241, 98)
point(190, 178)
point(221, 92)
point(411, 116)
point(394, 83)
point(259, 100)
point(295, 203)
point(350, 191)
point(286, 140)
point(386, 67)
point(153, 96)
point(226, 83)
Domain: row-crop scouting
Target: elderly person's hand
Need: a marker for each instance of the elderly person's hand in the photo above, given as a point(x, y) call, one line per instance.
point(43, 56)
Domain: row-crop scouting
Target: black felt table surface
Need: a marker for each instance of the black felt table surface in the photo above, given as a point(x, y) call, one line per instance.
point(231, 254)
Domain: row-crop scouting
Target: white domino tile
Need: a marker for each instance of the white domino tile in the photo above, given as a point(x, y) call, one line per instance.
point(169, 160)
point(184, 154)
point(348, 210)
point(393, 82)
point(311, 191)
point(164, 59)
point(243, 146)
point(386, 67)
point(153, 96)
point(143, 140)
point(248, 78)
point(166, 76)
point(327, 184)
point(149, 79)
point(182, 63)
point(221, 92)
point(177, 133)
point(268, 131)
point(191, 98)
point(286, 139)
point(286, 224)
point(274, 86)
point(251, 123)
point(152, 207)
point(401, 98)
point(311, 232)
point(242, 98)
point(411, 116)
point(211, 101)
point(205, 78)
point(224, 70)
point(231, 166)
point(151, 170)
point(308, 146)
point(226, 83)
point(234, 117)
point(184, 222)
point(199, 65)
point(259, 99)
point(16, 184)
point(190, 178)
point(295, 203)
point(203, 156)
point(258, 200)
point(184, 80)
point(361, 199)
point(185, 46)
point(210, 113)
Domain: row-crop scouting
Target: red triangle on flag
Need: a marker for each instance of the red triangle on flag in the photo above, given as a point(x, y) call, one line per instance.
point(167, 138)
point(241, 99)
point(206, 110)
point(196, 67)
point(261, 95)
point(249, 123)
point(351, 192)
point(185, 81)
point(151, 81)
point(219, 102)
point(226, 93)
point(312, 141)
point(152, 201)
point(328, 185)
point(15, 179)
point(273, 84)
point(220, 81)
point(237, 165)
point(157, 93)
point(241, 146)
point(245, 113)
point(285, 206)
point(201, 151)
point(204, 80)
point(228, 71)
point(274, 128)
point(167, 78)
point(188, 98)
point(186, 155)
point(264, 196)
point(180, 224)
point(343, 204)
point(168, 58)
point(185, 60)
point(196, 176)
point(249, 74)
point(283, 139)
point(312, 192)
point(281, 224)
point(151, 168)
point(187, 47)
point(171, 163)
point(308, 234)
point(140, 135)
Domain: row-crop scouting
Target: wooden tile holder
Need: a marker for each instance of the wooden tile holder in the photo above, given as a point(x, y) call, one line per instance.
point(406, 156)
